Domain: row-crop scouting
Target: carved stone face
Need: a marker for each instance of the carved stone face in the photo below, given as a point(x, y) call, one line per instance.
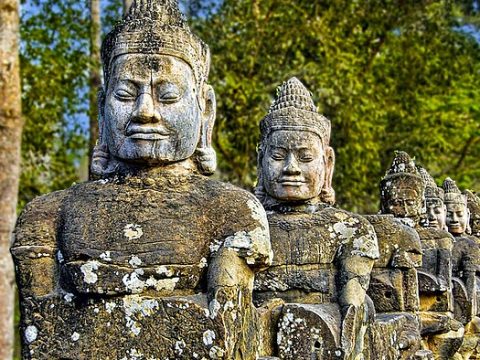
point(457, 218)
point(436, 213)
point(475, 224)
point(151, 110)
point(404, 202)
point(294, 165)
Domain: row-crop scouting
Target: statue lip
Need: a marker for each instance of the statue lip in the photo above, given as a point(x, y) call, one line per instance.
point(291, 182)
point(147, 133)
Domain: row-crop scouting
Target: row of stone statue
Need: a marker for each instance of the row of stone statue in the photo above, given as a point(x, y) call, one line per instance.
point(154, 260)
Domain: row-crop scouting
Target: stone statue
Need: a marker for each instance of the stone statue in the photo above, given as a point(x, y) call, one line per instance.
point(466, 262)
point(434, 200)
point(403, 195)
point(458, 214)
point(154, 260)
point(473, 203)
point(323, 256)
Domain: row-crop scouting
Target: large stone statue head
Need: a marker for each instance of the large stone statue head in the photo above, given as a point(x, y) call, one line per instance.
point(434, 199)
point(458, 214)
point(156, 107)
point(473, 203)
point(295, 161)
point(402, 189)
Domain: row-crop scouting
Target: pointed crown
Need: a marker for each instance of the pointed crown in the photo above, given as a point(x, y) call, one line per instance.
point(156, 27)
point(293, 109)
point(431, 188)
point(402, 169)
point(473, 202)
point(453, 195)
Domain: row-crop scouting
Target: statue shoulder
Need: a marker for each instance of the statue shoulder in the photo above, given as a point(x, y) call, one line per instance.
point(245, 223)
point(443, 238)
point(38, 221)
point(356, 233)
point(398, 243)
point(230, 199)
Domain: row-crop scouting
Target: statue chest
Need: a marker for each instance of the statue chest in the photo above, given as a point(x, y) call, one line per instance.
point(134, 240)
point(303, 240)
point(305, 248)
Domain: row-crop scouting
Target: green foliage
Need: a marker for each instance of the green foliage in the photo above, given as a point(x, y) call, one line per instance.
point(54, 60)
point(55, 63)
point(388, 75)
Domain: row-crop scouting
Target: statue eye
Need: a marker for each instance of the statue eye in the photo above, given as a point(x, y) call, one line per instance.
point(170, 96)
point(123, 94)
point(395, 202)
point(306, 158)
point(277, 155)
point(168, 92)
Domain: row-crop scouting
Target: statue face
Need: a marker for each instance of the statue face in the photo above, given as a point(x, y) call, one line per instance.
point(475, 223)
point(436, 213)
point(151, 112)
point(404, 202)
point(294, 165)
point(457, 218)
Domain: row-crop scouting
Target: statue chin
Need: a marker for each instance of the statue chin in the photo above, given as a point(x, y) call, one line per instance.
point(153, 152)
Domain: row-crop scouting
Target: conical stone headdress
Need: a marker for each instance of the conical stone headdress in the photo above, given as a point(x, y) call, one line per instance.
point(453, 195)
point(431, 188)
point(156, 27)
point(473, 202)
point(293, 109)
point(403, 170)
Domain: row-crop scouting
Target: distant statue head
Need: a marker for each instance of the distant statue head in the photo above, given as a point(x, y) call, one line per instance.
point(473, 203)
point(295, 161)
point(402, 189)
point(434, 199)
point(458, 215)
point(156, 107)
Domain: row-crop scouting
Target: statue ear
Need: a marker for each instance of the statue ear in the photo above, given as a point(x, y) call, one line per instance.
point(205, 155)
point(209, 113)
point(328, 194)
point(100, 155)
point(468, 229)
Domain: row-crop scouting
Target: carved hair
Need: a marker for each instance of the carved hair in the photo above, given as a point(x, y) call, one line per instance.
point(431, 188)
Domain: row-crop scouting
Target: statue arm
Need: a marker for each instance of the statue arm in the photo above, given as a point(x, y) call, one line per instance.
point(35, 246)
point(356, 272)
point(355, 267)
point(356, 263)
point(242, 253)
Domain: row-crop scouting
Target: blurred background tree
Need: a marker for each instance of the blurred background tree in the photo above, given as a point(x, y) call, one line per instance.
point(389, 74)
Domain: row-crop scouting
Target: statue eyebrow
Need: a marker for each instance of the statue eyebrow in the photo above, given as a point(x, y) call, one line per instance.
point(129, 80)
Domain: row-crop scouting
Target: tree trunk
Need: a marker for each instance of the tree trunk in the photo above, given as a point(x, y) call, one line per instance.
point(126, 5)
point(10, 141)
point(95, 74)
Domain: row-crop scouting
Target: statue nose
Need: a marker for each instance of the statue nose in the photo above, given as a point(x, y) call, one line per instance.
point(291, 167)
point(144, 111)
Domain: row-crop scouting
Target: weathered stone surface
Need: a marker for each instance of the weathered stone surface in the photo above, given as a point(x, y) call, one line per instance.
point(132, 326)
point(310, 332)
point(396, 336)
point(394, 281)
point(148, 249)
